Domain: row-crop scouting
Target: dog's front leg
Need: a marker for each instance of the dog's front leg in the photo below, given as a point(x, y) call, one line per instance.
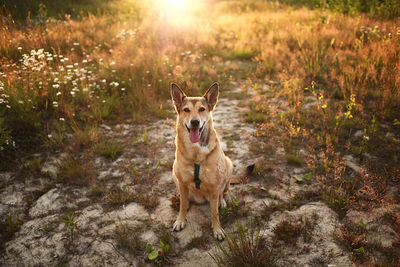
point(183, 207)
point(217, 230)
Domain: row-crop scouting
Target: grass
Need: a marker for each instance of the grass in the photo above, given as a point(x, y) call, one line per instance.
point(289, 230)
point(109, 149)
point(75, 171)
point(245, 247)
point(128, 238)
point(8, 228)
point(117, 196)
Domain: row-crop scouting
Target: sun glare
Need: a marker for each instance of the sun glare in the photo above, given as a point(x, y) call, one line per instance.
point(177, 13)
point(175, 4)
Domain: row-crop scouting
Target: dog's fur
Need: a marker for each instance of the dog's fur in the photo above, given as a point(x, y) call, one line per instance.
point(199, 143)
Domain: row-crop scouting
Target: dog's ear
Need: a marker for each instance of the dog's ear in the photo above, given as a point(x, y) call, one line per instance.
point(212, 95)
point(177, 96)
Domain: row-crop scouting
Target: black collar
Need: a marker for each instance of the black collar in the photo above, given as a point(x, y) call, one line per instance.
point(196, 175)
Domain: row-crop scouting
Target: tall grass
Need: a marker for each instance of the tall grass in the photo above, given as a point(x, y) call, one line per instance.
point(385, 9)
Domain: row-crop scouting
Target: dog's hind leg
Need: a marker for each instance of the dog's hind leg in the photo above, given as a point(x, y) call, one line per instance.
point(228, 177)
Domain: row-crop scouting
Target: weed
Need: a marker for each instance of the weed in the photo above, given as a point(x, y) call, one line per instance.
point(294, 159)
point(289, 230)
point(159, 257)
point(96, 191)
point(71, 222)
point(175, 202)
point(354, 237)
point(255, 117)
point(236, 209)
point(128, 238)
point(109, 149)
point(74, 171)
point(117, 196)
point(246, 247)
point(148, 199)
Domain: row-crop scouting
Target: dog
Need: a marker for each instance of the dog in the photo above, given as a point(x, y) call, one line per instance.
point(201, 170)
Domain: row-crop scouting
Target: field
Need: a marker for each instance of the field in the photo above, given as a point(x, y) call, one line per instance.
point(310, 92)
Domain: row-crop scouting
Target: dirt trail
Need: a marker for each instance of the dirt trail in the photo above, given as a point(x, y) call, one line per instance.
point(66, 224)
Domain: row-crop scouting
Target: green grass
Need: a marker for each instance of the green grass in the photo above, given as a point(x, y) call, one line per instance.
point(109, 149)
point(245, 247)
point(294, 159)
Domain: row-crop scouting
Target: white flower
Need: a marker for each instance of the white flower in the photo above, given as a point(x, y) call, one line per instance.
point(56, 85)
point(62, 119)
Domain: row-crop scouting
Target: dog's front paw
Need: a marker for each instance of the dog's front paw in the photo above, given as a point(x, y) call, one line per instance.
point(219, 233)
point(222, 203)
point(179, 225)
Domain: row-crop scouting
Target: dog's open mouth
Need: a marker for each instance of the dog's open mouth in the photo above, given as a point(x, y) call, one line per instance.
point(194, 133)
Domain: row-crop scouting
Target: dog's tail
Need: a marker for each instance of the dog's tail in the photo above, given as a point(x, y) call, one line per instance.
point(242, 175)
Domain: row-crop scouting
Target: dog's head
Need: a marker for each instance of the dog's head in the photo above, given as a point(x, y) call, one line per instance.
point(194, 112)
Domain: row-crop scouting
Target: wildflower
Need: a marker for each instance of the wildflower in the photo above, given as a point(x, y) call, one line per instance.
point(76, 44)
point(62, 119)
point(72, 93)
point(49, 136)
point(56, 85)
point(323, 106)
point(69, 66)
point(8, 106)
point(122, 89)
point(20, 101)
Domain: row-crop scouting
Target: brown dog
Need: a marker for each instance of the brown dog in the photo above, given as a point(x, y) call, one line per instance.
point(201, 170)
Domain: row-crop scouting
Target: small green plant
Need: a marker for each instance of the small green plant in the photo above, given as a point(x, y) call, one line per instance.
point(158, 257)
point(236, 209)
point(246, 247)
point(109, 149)
point(294, 159)
point(71, 222)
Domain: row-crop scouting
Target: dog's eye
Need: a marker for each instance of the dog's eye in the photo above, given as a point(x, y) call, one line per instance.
point(186, 110)
point(201, 109)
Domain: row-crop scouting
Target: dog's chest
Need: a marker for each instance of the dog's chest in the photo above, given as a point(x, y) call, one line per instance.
point(209, 173)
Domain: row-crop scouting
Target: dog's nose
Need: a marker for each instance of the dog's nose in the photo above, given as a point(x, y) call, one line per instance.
point(194, 123)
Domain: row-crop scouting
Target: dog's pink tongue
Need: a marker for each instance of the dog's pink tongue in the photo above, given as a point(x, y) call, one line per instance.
point(194, 135)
